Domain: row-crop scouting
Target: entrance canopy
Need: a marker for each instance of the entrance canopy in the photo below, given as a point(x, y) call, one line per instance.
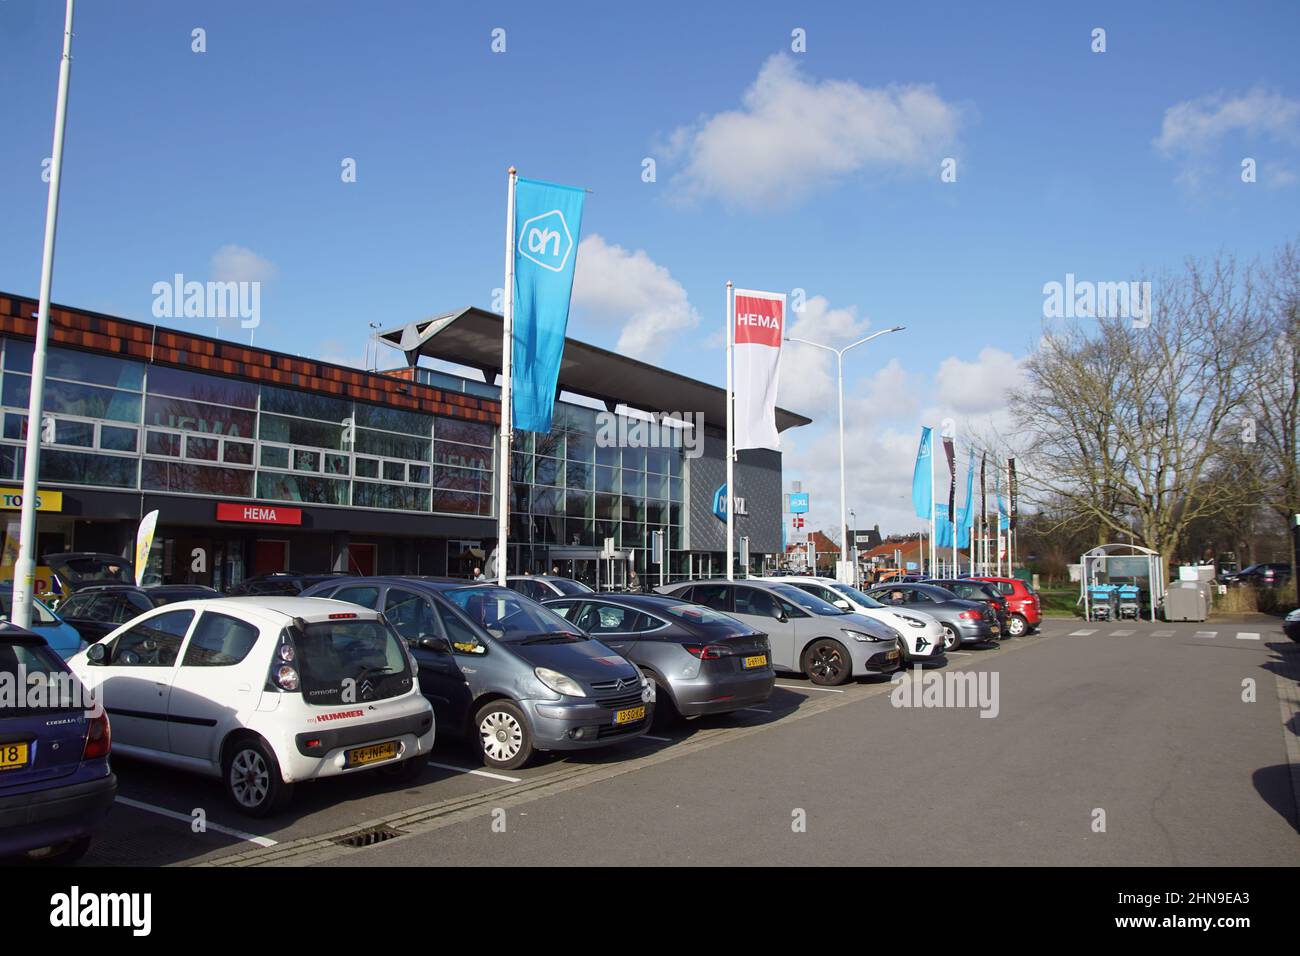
point(1123, 564)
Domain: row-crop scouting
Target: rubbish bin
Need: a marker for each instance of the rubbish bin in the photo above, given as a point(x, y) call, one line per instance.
point(1187, 601)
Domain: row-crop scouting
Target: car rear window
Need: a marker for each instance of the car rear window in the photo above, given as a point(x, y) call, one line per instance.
point(35, 680)
point(567, 586)
point(351, 661)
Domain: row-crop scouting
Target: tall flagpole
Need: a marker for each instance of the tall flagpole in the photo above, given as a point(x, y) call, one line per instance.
point(507, 355)
point(932, 549)
point(731, 451)
point(25, 572)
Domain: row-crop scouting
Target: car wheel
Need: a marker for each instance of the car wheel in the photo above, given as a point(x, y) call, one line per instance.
point(951, 639)
point(253, 780)
point(1017, 626)
point(666, 714)
point(503, 735)
point(827, 662)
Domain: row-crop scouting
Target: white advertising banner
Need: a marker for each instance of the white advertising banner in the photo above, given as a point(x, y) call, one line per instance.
point(759, 329)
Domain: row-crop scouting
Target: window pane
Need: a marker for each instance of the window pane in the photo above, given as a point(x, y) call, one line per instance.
point(79, 468)
point(461, 503)
point(311, 489)
point(198, 417)
point(393, 419)
point(85, 401)
point(410, 614)
point(78, 366)
point(162, 443)
point(197, 387)
point(74, 433)
point(219, 641)
point(306, 460)
point(201, 479)
point(392, 446)
point(336, 464)
point(204, 449)
point(113, 438)
point(238, 452)
point(297, 431)
point(15, 426)
point(470, 433)
point(394, 471)
point(273, 457)
point(464, 456)
point(402, 498)
point(462, 479)
point(366, 467)
point(418, 474)
point(304, 404)
point(548, 471)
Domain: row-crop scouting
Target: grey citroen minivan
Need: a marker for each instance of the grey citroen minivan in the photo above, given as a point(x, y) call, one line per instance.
point(504, 671)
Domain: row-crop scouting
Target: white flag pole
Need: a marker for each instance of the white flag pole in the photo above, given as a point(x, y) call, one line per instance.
point(507, 355)
point(731, 439)
point(932, 549)
point(25, 571)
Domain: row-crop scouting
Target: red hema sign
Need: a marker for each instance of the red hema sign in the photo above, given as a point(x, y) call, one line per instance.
point(759, 321)
point(258, 514)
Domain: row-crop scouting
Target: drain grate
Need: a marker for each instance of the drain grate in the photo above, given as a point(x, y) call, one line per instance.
point(367, 837)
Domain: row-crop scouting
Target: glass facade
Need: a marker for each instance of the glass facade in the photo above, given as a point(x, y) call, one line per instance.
point(121, 423)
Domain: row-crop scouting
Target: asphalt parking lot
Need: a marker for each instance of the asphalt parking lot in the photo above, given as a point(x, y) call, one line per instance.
point(1143, 722)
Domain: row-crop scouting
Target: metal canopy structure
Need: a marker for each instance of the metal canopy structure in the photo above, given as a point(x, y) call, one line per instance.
point(472, 337)
point(1128, 562)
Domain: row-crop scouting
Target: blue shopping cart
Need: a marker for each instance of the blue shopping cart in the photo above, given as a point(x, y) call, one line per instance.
point(1128, 599)
point(1103, 600)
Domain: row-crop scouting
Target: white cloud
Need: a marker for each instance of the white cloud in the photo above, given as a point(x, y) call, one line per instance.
point(793, 135)
point(611, 284)
point(232, 263)
point(1193, 129)
point(973, 388)
point(807, 381)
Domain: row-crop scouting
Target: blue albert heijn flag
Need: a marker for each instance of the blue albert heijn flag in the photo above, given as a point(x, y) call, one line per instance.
point(942, 526)
point(966, 516)
point(548, 220)
point(922, 492)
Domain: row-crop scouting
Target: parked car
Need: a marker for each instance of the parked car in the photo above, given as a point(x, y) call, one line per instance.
point(973, 589)
point(505, 672)
point(964, 622)
point(540, 587)
point(63, 638)
point(1269, 575)
point(1024, 607)
point(96, 609)
point(262, 693)
point(284, 583)
point(55, 781)
point(1291, 625)
point(807, 635)
point(74, 570)
point(701, 661)
point(922, 633)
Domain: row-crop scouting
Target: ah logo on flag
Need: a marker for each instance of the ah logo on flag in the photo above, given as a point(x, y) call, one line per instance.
point(546, 240)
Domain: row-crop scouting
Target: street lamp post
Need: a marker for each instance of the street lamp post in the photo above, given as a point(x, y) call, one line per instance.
point(839, 364)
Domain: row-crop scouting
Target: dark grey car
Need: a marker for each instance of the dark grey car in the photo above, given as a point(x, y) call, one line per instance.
point(702, 662)
point(502, 670)
point(964, 622)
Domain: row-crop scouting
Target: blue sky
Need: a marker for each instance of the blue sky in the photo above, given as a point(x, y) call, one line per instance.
point(1067, 161)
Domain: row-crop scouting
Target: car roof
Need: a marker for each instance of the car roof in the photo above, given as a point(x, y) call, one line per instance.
point(15, 634)
point(627, 597)
point(274, 608)
point(431, 581)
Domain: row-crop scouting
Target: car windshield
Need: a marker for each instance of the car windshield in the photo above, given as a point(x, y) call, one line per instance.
point(351, 661)
point(568, 586)
point(853, 594)
point(807, 601)
point(509, 616)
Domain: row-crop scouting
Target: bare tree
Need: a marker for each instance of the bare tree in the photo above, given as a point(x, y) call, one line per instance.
point(1123, 423)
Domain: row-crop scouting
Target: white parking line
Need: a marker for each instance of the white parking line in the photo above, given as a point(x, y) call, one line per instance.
point(1083, 633)
point(827, 690)
point(1120, 633)
point(960, 654)
point(1205, 634)
point(1247, 636)
point(666, 740)
point(757, 710)
point(187, 818)
point(1162, 633)
point(477, 773)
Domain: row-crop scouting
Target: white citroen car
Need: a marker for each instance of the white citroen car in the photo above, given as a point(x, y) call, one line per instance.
point(923, 635)
point(262, 692)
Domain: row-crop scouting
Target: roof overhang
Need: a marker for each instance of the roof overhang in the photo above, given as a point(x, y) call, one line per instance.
point(472, 337)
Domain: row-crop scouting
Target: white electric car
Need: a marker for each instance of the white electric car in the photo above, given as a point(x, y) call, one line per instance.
point(923, 635)
point(262, 692)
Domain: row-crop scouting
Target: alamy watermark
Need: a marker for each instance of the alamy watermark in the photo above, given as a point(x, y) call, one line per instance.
point(1084, 299)
point(932, 689)
point(209, 300)
point(47, 691)
point(683, 430)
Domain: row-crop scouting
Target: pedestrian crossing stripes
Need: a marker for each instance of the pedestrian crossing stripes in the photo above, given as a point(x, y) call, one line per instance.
point(1202, 635)
point(1120, 633)
point(1247, 636)
point(1162, 633)
point(1206, 634)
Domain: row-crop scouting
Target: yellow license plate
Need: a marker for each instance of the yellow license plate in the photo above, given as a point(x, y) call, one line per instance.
point(372, 754)
point(995, 629)
point(629, 715)
point(13, 756)
point(758, 660)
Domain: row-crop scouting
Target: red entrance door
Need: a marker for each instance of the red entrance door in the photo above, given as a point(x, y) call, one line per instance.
point(361, 559)
point(270, 557)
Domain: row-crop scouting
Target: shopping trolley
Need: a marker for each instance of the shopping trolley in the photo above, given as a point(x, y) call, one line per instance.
point(1104, 602)
point(1128, 603)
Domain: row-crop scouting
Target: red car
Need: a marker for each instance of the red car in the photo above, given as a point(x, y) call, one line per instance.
point(1024, 609)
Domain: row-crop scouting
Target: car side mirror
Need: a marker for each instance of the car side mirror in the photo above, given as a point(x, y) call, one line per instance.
point(97, 654)
point(842, 604)
point(779, 613)
point(432, 643)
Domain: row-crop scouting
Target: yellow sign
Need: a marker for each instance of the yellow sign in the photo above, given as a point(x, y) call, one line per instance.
point(11, 499)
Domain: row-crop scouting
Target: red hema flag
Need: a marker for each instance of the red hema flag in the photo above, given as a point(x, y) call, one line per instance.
point(759, 319)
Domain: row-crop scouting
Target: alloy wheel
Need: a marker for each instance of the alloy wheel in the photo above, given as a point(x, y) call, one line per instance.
point(250, 778)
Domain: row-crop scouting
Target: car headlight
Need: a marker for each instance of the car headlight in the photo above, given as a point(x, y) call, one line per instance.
point(860, 636)
point(914, 621)
point(560, 683)
point(1294, 615)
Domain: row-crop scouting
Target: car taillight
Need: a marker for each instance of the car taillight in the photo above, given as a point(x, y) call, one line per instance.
point(99, 738)
point(283, 674)
point(709, 652)
point(970, 615)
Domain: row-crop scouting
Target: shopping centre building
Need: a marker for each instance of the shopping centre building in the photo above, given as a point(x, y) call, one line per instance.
point(259, 461)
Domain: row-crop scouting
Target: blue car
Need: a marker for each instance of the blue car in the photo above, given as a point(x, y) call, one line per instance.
point(55, 781)
point(58, 633)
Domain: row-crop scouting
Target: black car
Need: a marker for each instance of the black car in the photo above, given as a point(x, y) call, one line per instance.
point(281, 583)
point(701, 661)
point(1271, 575)
point(542, 587)
point(964, 622)
point(97, 609)
point(980, 591)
